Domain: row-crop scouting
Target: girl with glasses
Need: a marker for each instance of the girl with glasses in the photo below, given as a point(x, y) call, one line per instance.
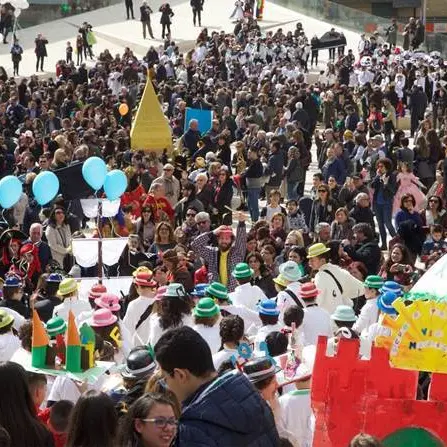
point(150, 422)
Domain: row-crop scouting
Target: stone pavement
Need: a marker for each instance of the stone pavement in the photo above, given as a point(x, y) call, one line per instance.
point(115, 33)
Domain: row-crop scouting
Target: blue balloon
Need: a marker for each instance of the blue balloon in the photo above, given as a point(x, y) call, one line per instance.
point(45, 187)
point(10, 191)
point(94, 171)
point(115, 184)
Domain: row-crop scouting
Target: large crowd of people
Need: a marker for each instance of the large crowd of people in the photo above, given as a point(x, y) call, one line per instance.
point(236, 267)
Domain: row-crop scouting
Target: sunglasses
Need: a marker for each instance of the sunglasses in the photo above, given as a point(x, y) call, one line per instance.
point(322, 190)
point(434, 201)
point(190, 215)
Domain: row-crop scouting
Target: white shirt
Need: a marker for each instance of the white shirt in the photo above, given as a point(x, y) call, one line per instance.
point(223, 356)
point(74, 304)
point(368, 315)
point(263, 332)
point(284, 300)
point(317, 321)
point(156, 331)
point(9, 344)
point(211, 336)
point(297, 416)
point(330, 295)
point(134, 311)
point(248, 296)
point(250, 317)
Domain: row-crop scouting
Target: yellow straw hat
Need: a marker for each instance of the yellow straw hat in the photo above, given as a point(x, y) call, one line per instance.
point(67, 286)
point(317, 250)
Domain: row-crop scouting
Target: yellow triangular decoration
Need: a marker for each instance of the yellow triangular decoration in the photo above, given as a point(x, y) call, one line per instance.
point(150, 129)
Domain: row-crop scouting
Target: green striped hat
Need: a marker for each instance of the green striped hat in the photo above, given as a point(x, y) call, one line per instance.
point(373, 282)
point(206, 307)
point(217, 290)
point(242, 270)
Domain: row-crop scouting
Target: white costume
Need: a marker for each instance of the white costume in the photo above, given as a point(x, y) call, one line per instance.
point(248, 296)
point(297, 416)
point(9, 344)
point(156, 331)
point(76, 305)
point(331, 295)
point(368, 316)
point(134, 311)
point(317, 321)
point(238, 12)
point(211, 336)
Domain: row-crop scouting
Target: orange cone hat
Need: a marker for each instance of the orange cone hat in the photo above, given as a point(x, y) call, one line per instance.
point(40, 337)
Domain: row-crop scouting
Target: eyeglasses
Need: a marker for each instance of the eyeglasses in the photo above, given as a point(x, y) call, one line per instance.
point(161, 422)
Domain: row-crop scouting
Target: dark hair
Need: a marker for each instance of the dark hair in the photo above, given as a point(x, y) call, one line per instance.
point(437, 228)
point(25, 333)
point(406, 197)
point(262, 268)
point(35, 380)
point(386, 162)
point(93, 421)
point(268, 319)
point(52, 218)
point(364, 228)
point(140, 409)
point(364, 440)
point(184, 348)
point(225, 366)
point(406, 257)
point(207, 321)
point(347, 324)
point(171, 311)
point(276, 343)
point(440, 206)
point(189, 186)
point(293, 314)
point(60, 413)
point(17, 409)
point(231, 329)
point(319, 175)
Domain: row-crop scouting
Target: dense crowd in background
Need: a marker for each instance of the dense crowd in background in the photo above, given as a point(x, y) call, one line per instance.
point(226, 244)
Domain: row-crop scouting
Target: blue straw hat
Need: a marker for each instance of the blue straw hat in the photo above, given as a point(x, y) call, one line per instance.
point(385, 303)
point(268, 307)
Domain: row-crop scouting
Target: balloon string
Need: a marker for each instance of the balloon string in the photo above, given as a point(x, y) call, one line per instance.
point(4, 218)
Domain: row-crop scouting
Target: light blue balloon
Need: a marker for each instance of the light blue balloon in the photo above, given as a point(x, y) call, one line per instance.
point(10, 191)
point(45, 187)
point(94, 171)
point(115, 184)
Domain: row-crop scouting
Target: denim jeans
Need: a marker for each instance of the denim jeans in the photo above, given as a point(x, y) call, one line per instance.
point(384, 214)
point(253, 203)
point(292, 192)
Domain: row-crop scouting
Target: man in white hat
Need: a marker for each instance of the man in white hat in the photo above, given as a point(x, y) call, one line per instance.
point(337, 286)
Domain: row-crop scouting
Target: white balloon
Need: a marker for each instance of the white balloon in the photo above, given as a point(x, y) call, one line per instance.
point(24, 5)
point(17, 12)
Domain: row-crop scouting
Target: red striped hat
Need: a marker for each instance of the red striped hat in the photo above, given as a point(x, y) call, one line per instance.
point(144, 279)
point(308, 291)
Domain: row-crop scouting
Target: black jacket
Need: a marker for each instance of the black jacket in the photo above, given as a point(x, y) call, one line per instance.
point(229, 412)
point(369, 253)
point(145, 12)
